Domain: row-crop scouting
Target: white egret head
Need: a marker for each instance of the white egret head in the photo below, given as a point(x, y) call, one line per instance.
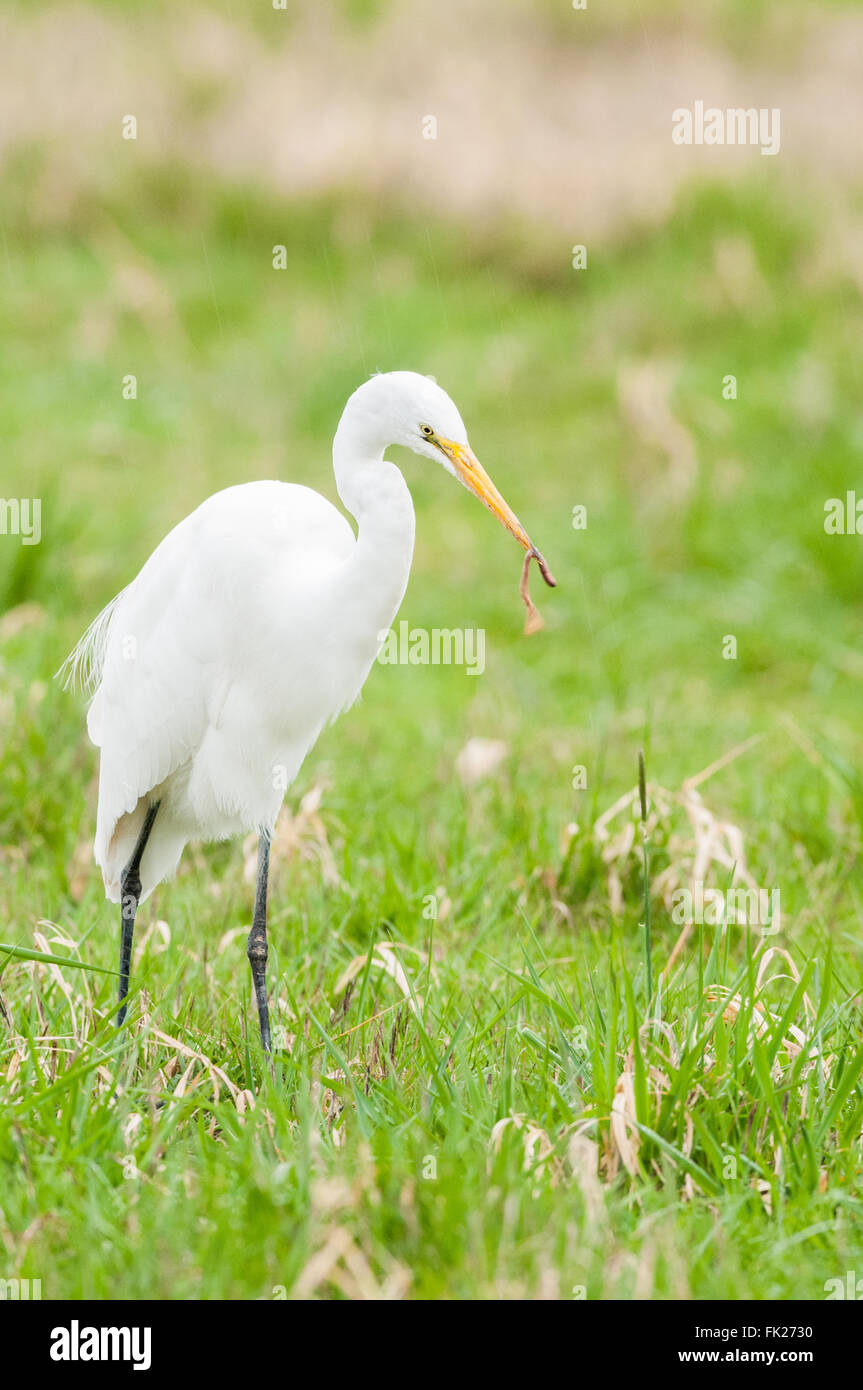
point(412, 410)
point(402, 408)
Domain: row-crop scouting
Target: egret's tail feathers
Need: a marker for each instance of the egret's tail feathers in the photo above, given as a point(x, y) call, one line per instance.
point(82, 669)
point(160, 858)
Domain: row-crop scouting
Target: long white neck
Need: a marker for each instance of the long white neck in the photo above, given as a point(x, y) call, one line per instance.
point(375, 493)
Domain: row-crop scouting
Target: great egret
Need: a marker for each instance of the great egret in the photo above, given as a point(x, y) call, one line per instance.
point(253, 625)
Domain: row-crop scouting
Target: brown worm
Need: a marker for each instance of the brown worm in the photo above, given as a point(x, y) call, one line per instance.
point(534, 621)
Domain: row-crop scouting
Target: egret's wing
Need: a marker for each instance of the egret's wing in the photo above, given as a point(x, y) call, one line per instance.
point(148, 713)
point(165, 650)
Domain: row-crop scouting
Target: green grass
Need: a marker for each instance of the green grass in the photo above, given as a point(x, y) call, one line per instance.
point(381, 1156)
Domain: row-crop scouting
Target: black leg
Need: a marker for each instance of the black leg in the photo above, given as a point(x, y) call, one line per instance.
point(257, 947)
point(130, 892)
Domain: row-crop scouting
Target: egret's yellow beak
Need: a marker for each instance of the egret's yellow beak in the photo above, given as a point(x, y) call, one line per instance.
point(474, 476)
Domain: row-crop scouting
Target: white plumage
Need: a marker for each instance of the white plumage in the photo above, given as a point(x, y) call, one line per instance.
point(252, 625)
point(223, 661)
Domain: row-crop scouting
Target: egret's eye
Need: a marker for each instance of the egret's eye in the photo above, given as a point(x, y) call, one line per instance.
point(427, 431)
